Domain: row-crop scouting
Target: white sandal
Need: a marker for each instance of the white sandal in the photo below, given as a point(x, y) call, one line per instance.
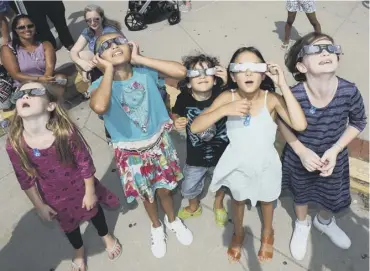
point(113, 249)
point(78, 266)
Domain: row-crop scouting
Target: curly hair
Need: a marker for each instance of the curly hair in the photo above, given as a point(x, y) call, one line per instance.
point(291, 58)
point(191, 60)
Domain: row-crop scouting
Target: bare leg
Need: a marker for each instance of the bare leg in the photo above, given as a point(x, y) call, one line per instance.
point(219, 199)
point(238, 237)
point(301, 212)
point(325, 214)
point(313, 20)
point(288, 28)
point(152, 211)
point(167, 203)
point(193, 205)
point(267, 238)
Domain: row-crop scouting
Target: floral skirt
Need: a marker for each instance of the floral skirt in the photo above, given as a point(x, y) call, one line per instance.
point(144, 170)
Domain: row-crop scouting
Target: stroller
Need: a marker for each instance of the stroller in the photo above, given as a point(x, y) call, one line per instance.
point(142, 12)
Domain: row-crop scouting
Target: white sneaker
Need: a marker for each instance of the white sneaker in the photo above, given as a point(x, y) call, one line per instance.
point(158, 241)
point(183, 234)
point(298, 244)
point(336, 234)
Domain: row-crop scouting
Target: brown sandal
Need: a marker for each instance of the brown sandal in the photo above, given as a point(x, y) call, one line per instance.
point(235, 248)
point(266, 251)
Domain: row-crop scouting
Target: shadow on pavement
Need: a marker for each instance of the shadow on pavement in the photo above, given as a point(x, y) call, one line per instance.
point(280, 30)
point(42, 246)
point(327, 256)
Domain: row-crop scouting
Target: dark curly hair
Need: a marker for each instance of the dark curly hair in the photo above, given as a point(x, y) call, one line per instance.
point(266, 84)
point(291, 58)
point(191, 60)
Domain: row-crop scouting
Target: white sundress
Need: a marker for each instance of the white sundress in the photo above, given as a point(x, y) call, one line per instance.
point(250, 166)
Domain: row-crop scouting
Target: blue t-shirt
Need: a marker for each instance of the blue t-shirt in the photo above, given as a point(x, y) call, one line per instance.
point(91, 38)
point(137, 110)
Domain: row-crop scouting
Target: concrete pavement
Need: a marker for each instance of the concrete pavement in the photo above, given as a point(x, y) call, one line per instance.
point(28, 244)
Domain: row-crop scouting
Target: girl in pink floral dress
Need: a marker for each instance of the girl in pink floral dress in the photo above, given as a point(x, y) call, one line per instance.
point(54, 167)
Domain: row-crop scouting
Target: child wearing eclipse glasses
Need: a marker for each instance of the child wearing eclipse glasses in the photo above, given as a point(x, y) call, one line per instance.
point(250, 165)
point(204, 82)
point(315, 161)
point(135, 115)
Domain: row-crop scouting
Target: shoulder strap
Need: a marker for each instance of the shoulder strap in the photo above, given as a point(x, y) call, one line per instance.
point(266, 97)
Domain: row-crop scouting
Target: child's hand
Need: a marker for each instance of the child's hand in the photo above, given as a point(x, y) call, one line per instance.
point(101, 63)
point(329, 159)
point(135, 53)
point(310, 160)
point(276, 74)
point(222, 73)
point(180, 123)
point(237, 108)
point(89, 201)
point(46, 212)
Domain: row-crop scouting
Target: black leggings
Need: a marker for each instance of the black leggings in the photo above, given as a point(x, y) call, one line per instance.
point(99, 223)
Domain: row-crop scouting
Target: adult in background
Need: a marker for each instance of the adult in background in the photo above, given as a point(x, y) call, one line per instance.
point(292, 6)
point(55, 11)
point(28, 58)
point(98, 24)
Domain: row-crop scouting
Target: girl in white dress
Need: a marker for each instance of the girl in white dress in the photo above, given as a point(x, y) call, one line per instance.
point(250, 166)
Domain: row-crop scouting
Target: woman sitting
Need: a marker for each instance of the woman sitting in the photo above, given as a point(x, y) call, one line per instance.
point(98, 25)
point(29, 59)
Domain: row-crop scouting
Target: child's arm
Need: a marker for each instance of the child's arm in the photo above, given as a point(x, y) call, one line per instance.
point(100, 97)
point(221, 107)
point(288, 107)
point(178, 112)
point(310, 160)
point(165, 68)
point(357, 123)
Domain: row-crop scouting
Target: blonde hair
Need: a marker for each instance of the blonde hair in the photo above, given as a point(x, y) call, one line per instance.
point(105, 21)
point(63, 129)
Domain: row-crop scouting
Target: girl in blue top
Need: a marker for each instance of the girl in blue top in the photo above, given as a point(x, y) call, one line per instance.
point(98, 24)
point(136, 117)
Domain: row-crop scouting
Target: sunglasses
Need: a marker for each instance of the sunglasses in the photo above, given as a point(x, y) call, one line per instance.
point(253, 67)
point(201, 72)
point(30, 92)
point(90, 20)
point(27, 26)
point(108, 43)
point(318, 48)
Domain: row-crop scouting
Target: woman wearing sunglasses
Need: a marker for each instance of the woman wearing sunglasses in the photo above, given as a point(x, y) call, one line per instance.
point(98, 25)
point(28, 58)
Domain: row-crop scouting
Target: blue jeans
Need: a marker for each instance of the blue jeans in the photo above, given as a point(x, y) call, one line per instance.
point(193, 183)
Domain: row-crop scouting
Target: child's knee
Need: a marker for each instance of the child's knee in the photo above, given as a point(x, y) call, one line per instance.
point(163, 192)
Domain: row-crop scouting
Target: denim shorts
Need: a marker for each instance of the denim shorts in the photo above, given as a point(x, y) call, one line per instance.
point(193, 183)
